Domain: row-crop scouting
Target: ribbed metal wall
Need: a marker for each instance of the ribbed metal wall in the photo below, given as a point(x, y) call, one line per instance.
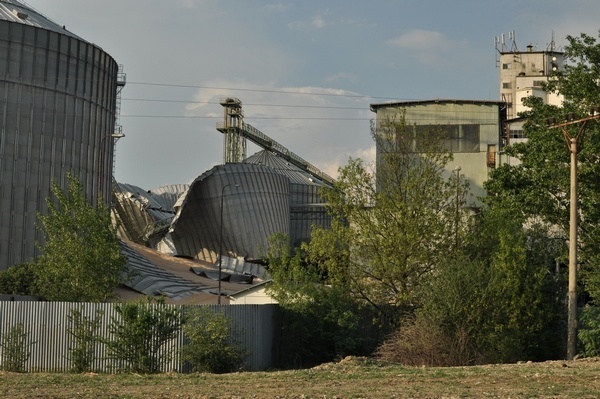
point(47, 325)
point(57, 111)
point(256, 203)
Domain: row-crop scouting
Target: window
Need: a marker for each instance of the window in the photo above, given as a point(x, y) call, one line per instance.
point(507, 85)
point(456, 138)
point(538, 83)
point(491, 155)
point(507, 66)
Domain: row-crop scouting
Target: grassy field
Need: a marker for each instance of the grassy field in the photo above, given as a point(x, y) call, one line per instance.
point(350, 378)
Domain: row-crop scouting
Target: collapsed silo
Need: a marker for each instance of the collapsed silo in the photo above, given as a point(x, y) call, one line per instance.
point(251, 201)
point(58, 107)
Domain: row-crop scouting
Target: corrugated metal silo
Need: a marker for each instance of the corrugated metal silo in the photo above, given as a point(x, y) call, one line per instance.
point(256, 203)
point(307, 206)
point(57, 114)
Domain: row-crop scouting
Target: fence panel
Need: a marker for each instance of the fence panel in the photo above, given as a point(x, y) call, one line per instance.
point(47, 326)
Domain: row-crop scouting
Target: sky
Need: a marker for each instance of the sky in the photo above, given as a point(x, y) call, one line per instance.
point(305, 71)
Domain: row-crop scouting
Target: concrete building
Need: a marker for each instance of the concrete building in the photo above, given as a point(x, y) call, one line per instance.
point(522, 74)
point(58, 103)
point(472, 130)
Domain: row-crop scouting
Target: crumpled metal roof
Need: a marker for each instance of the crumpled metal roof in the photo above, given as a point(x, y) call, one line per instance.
point(16, 11)
point(142, 214)
point(148, 279)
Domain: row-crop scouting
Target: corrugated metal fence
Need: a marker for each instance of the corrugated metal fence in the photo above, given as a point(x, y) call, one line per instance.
point(47, 327)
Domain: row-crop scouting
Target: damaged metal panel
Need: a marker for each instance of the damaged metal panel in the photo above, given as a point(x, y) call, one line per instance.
point(146, 278)
point(145, 216)
point(255, 205)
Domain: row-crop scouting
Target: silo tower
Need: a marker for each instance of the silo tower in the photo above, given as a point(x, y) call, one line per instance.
point(58, 108)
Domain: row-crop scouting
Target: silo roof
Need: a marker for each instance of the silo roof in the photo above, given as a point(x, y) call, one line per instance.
point(283, 167)
point(16, 11)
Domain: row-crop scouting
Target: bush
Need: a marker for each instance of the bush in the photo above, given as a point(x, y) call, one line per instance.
point(140, 335)
point(422, 343)
point(83, 330)
point(15, 349)
point(17, 280)
point(211, 345)
point(589, 332)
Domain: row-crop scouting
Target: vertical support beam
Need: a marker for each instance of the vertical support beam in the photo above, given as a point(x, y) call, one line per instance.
point(572, 296)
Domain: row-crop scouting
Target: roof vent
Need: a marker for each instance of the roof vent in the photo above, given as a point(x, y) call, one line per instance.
point(20, 14)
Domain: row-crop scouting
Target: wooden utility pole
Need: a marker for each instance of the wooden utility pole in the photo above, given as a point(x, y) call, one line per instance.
point(573, 145)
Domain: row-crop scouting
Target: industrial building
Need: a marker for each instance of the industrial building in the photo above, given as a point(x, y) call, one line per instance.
point(522, 74)
point(472, 131)
point(59, 107)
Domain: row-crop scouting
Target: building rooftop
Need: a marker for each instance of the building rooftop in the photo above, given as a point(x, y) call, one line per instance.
point(375, 107)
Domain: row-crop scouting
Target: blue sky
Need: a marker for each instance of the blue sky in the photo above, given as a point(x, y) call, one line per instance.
point(306, 71)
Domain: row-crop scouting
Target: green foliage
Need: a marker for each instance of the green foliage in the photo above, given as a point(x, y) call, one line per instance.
point(497, 302)
point(140, 332)
point(211, 345)
point(15, 349)
point(84, 333)
point(589, 331)
point(320, 319)
point(81, 260)
point(538, 188)
point(17, 280)
point(389, 229)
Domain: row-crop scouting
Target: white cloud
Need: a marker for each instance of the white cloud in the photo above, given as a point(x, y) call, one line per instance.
point(277, 7)
point(341, 76)
point(318, 20)
point(419, 39)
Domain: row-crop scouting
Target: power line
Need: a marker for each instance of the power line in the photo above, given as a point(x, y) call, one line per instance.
point(324, 118)
point(189, 86)
point(245, 104)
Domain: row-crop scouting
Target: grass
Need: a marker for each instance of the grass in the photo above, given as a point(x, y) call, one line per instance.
point(350, 378)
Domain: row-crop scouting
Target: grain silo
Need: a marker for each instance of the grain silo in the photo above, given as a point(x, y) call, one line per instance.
point(233, 209)
point(58, 104)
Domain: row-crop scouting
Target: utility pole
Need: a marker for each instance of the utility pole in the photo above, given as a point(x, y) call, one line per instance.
point(573, 145)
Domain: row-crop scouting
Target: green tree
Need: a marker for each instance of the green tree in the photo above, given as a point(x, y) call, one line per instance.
point(392, 227)
point(389, 230)
point(212, 346)
point(538, 188)
point(321, 321)
point(81, 260)
point(497, 301)
point(140, 332)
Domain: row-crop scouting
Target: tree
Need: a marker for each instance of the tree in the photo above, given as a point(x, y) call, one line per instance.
point(81, 260)
point(320, 319)
point(538, 188)
point(496, 301)
point(390, 228)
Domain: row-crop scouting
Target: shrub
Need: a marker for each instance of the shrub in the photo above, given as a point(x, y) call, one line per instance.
point(83, 331)
point(589, 332)
point(211, 345)
point(422, 343)
point(140, 335)
point(15, 349)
